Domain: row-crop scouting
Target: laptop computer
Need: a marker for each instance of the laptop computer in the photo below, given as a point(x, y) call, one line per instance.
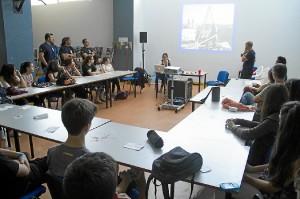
point(159, 68)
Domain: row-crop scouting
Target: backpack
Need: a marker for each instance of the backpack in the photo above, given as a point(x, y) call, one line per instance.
point(3, 96)
point(122, 95)
point(175, 165)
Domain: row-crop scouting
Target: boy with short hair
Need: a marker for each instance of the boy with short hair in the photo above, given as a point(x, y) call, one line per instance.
point(93, 176)
point(77, 115)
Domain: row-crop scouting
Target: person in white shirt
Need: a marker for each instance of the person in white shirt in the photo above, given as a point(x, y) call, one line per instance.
point(107, 67)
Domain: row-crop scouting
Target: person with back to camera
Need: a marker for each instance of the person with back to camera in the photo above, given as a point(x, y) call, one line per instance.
point(166, 62)
point(262, 133)
point(76, 115)
point(277, 180)
point(248, 59)
point(92, 176)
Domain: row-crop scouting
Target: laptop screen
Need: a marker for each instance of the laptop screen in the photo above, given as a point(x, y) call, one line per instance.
point(159, 68)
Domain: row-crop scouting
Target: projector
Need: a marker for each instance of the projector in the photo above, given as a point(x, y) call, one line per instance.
point(172, 70)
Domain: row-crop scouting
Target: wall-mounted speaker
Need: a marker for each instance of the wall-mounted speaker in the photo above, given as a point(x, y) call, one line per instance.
point(143, 37)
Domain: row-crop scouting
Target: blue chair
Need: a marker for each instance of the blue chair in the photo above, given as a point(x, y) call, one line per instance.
point(133, 79)
point(222, 79)
point(36, 193)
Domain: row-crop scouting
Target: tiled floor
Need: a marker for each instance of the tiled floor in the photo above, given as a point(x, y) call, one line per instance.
point(140, 111)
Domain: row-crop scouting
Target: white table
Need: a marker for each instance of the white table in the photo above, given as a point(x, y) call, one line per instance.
point(20, 118)
point(80, 81)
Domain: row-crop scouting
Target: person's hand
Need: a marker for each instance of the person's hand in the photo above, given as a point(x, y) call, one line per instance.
point(229, 124)
point(23, 160)
point(18, 73)
point(249, 168)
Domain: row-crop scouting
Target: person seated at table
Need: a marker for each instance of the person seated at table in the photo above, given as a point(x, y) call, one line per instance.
point(20, 175)
point(107, 67)
point(250, 91)
point(293, 86)
point(53, 70)
point(74, 72)
point(93, 176)
point(86, 50)
point(262, 133)
point(11, 77)
point(76, 115)
point(89, 69)
point(166, 62)
point(277, 180)
point(279, 72)
point(26, 69)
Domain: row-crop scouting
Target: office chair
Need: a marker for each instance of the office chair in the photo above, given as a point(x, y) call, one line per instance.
point(133, 79)
point(36, 193)
point(222, 79)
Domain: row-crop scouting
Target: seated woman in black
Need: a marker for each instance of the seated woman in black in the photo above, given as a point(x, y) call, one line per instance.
point(263, 133)
point(166, 62)
point(278, 178)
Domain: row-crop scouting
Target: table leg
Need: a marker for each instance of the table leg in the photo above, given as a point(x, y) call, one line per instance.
point(107, 90)
point(199, 84)
point(31, 146)
point(193, 106)
point(17, 142)
point(135, 80)
point(205, 81)
point(110, 98)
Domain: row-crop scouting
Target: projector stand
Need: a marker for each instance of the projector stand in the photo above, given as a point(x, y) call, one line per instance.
point(171, 105)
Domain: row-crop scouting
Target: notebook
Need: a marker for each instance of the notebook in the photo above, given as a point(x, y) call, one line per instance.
point(159, 68)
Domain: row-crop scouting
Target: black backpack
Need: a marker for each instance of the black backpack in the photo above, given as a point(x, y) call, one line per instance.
point(173, 166)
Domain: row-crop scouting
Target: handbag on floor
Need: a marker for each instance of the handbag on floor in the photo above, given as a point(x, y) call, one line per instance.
point(173, 166)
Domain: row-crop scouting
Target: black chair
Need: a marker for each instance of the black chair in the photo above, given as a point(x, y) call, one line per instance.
point(55, 185)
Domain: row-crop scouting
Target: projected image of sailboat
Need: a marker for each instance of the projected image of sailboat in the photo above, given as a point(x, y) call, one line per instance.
point(207, 27)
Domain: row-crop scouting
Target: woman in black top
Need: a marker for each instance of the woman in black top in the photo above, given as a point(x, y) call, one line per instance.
point(166, 62)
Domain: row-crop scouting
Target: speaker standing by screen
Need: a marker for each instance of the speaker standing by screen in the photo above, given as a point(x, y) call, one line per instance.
point(143, 37)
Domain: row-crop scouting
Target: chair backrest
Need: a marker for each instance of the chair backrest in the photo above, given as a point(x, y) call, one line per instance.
point(258, 72)
point(42, 79)
point(55, 185)
point(223, 76)
point(34, 193)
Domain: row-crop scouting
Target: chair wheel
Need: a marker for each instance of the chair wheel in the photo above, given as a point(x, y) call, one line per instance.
point(158, 108)
point(176, 111)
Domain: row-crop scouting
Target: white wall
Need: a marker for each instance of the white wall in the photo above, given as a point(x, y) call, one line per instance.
point(272, 25)
point(90, 19)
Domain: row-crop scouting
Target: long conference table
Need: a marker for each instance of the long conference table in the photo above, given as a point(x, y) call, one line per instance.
point(80, 81)
point(224, 154)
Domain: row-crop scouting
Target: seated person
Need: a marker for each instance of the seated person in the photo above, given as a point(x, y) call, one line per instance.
point(26, 69)
point(107, 67)
point(293, 86)
point(251, 91)
point(89, 69)
point(76, 115)
point(74, 72)
point(86, 50)
point(19, 175)
point(54, 69)
point(164, 61)
point(93, 176)
point(262, 133)
point(11, 77)
point(277, 181)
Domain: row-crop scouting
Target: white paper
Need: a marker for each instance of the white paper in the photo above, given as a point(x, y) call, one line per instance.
point(134, 146)
point(51, 129)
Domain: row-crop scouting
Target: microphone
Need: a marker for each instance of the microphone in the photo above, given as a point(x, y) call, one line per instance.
point(155, 139)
